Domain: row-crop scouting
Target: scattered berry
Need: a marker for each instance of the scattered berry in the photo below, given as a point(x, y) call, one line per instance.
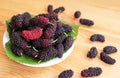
point(92, 53)
point(59, 9)
point(68, 42)
point(97, 37)
point(32, 34)
point(91, 71)
point(66, 74)
point(50, 8)
point(109, 49)
point(86, 22)
point(77, 14)
point(107, 59)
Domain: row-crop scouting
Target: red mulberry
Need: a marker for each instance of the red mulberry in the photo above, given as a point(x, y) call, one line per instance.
point(32, 34)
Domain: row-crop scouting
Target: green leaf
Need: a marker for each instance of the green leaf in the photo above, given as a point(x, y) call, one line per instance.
point(24, 58)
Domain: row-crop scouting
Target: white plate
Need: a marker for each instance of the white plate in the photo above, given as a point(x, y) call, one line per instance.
point(45, 64)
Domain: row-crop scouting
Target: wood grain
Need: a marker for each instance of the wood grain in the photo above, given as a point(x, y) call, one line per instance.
point(106, 15)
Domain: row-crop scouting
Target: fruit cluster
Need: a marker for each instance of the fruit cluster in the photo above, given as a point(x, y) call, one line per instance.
point(42, 37)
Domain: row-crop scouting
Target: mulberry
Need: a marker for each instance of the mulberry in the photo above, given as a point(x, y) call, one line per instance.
point(43, 20)
point(68, 42)
point(18, 40)
point(60, 29)
point(77, 14)
point(47, 54)
point(67, 28)
point(109, 49)
point(42, 43)
point(31, 52)
point(66, 74)
point(32, 34)
point(92, 53)
point(107, 59)
point(60, 49)
point(59, 9)
point(86, 22)
point(50, 8)
point(60, 39)
point(91, 71)
point(16, 50)
point(97, 37)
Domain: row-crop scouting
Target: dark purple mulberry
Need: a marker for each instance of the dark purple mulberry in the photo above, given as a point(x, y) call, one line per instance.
point(86, 22)
point(66, 74)
point(18, 40)
point(50, 8)
point(47, 54)
point(42, 43)
point(60, 49)
point(68, 42)
point(109, 49)
point(59, 9)
point(91, 71)
point(77, 14)
point(107, 59)
point(97, 37)
point(16, 21)
point(26, 18)
point(31, 52)
point(67, 28)
point(60, 39)
point(92, 53)
point(16, 50)
point(60, 29)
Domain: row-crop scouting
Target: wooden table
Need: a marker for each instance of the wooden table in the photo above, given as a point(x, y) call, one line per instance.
point(106, 15)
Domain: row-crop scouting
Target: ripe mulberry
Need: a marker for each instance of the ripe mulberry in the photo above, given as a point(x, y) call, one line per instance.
point(91, 71)
point(59, 9)
point(97, 37)
point(60, 39)
point(67, 28)
point(60, 49)
point(86, 22)
point(92, 53)
point(109, 49)
point(18, 40)
point(50, 8)
point(68, 42)
point(66, 74)
point(47, 54)
point(16, 50)
point(41, 43)
point(31, 52)
point(77, 14)
point(107, 59)
point(60, 29)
